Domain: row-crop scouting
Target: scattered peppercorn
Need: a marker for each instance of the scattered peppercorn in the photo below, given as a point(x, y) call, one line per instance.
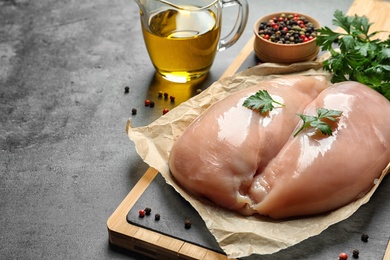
point(165, 110)
point(157, 217)
point(187, 224)
point(165, 95)
point(147, 102)
point(355, 253)
point(134, 111)
point(198, 90)
point(127, 89)
point(160, 94)
point(172, 98)
point(343, 256)
point(365, 238)
point(147, 211)
point(287, 29)
point(141, 213)
point(151, 104)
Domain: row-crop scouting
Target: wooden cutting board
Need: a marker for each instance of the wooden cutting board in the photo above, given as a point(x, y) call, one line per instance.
point(129, 233)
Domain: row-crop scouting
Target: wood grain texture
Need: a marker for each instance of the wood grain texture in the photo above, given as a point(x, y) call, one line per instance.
point(241, 57)
point(147, 242)
point(159, 246)
point(378, 13)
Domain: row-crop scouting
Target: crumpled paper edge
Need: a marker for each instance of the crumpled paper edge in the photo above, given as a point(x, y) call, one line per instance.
point(237, 235)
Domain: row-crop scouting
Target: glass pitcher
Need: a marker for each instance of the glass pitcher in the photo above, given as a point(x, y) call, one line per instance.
point(183, 36)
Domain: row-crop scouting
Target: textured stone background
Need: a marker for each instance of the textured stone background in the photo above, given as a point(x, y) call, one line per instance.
point(66, 162)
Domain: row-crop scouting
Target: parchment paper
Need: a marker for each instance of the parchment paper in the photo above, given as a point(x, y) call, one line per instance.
point(238, 235)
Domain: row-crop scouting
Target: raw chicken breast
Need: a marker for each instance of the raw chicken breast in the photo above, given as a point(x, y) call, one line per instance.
point(219, 154)
point(314, 173)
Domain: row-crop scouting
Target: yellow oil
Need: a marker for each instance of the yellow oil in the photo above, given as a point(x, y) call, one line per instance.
point(182, 44)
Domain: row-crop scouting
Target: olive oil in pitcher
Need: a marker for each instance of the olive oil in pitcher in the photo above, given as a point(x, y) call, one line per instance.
point(182, 43)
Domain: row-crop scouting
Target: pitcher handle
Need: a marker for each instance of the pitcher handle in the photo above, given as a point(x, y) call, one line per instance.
point(239, 25)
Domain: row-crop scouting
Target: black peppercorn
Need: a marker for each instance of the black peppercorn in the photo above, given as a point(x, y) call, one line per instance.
point(287, 25)
point(160, 94)
point(127, 89)
point(147, 211)
point(355, 253)
point(134, 111)
point(187, 224)
point(365, 238)
point(157, 217)
point(165, 95)
point(151, 104)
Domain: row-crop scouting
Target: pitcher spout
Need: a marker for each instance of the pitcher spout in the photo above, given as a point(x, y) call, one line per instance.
point(141, 5)
point(138, 2)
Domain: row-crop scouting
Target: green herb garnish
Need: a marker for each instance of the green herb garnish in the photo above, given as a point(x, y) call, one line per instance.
point(317, 121)
point(360, 58)
point(261, 101)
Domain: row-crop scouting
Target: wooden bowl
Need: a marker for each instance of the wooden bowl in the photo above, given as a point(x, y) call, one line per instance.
point(268, 51)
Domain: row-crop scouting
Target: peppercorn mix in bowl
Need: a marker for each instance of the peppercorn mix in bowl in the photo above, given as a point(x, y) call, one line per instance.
point(286, 38)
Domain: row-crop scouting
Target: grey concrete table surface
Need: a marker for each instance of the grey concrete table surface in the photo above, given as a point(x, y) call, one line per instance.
point(66, 162)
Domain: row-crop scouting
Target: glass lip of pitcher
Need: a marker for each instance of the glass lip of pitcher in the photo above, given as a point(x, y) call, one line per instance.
point(192, 8)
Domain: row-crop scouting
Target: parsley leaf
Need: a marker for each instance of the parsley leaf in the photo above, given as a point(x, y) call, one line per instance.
point(359, 58)
point(318, 122)
point(261, 101)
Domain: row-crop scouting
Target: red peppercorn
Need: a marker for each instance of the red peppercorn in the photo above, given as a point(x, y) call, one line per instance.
point(343, 256)
point(165, 110)
point(141, 213)
point(147, 102)
point(277, 29)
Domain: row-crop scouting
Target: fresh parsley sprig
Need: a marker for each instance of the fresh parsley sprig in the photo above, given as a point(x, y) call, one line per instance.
point(359, 58)
point(318, 121)
point(261, 101)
